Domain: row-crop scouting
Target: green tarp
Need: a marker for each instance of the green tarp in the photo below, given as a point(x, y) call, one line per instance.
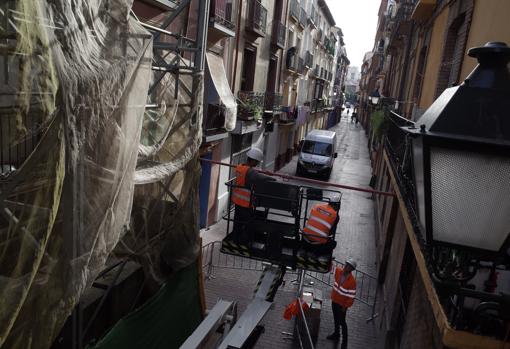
point(165, 321)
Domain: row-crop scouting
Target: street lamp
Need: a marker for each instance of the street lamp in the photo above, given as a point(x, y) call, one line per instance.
point(461, 152)
point(374, 97)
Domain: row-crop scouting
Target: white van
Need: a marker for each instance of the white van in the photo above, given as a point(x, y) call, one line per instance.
point(317, 153)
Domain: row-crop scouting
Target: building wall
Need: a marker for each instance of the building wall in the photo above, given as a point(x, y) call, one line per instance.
point(419, 330)
point(434, 59)
point(489, 23)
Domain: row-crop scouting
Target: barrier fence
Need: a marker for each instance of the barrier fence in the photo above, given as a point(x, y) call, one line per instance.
point(213, 259)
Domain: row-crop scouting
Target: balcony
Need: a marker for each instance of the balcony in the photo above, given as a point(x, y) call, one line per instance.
point(257, 19)
point(302, 17)
point(251, 105)
point(300, 65)
point(291, 60)
point(423, 10)
point(220, 20)
point(278, 36)
point(319, 37)
point(315, 71)
point(273, 102)
point(294, 10)
point(308, 59)
point(221, 13)
point(214, 123)
point(313, 19)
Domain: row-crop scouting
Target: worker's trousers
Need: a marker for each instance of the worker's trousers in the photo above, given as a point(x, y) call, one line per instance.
point(339, 316)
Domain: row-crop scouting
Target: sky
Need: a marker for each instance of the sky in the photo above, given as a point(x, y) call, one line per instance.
point(358, 21)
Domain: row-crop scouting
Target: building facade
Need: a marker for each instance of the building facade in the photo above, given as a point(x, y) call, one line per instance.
point(283, 62)
point(419, 51)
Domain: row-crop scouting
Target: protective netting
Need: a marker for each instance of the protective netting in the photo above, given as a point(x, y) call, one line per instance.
point(75, 88)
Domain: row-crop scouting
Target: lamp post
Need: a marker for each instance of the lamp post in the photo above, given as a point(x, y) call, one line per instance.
point(374, 97)
point(461, 152)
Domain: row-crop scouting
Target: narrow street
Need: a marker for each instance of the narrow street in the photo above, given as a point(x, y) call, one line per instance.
point(355, 237)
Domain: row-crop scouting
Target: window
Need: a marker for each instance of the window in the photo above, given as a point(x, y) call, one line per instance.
point(248, 73)
point(317, 148)
point(450, 64)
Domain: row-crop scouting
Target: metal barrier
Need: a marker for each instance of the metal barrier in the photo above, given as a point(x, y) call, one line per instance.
point(366, 284)
point(212, 258)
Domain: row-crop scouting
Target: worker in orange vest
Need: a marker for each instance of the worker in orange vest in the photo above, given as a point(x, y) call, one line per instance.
point(246, 177)
point(342, 298)
point(321, 226)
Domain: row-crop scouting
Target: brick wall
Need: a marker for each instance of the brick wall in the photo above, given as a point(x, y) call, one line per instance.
point(420, 330)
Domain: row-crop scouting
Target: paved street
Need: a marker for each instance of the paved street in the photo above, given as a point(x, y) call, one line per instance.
point(355, 236)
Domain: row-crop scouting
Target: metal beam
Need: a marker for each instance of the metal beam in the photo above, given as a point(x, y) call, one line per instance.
point(173, 16)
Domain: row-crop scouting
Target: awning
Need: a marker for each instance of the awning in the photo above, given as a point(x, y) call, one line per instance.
point(223, 94)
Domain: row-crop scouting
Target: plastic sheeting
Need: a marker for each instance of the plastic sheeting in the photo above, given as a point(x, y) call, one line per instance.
point(83, 69)
point(218, 75)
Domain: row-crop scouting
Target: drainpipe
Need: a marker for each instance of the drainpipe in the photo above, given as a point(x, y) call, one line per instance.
point(237, 45)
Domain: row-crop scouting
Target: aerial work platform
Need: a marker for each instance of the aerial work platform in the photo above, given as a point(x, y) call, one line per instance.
point(271, 230)
point(237, 332)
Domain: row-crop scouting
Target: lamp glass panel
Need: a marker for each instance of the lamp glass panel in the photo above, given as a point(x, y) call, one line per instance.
point(470, 195)
point(419, 178)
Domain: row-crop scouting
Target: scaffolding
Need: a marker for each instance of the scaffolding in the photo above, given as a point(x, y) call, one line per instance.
point(100, 125)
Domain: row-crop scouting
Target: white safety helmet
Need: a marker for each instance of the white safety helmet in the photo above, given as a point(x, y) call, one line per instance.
point(351, 262)
point(334, 199)
point(255, 154)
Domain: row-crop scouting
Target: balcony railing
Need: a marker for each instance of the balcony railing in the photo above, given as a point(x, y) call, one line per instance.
point(221, 12)
point(302, 17)
point(308, 59)
point(294, 9)
point(273, 102)
point(251, 105)
point(313, 19)
point(317, 105)
point(215, 118)
point(278, 37)
point(291, 59)
point(257, 19)
point(300, 65)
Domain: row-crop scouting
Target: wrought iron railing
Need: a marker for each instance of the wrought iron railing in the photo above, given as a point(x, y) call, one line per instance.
point(273, 101)
point(221, 12)
point(19, 135)
point(313, 17)
point(214, 118)
point(292, 61)
point(294, 9)
point(308, 59)
point(302, 17)
point(278, 37)
point(319, 36)
point(398, 147)
point(257, 20)
point(300, 65)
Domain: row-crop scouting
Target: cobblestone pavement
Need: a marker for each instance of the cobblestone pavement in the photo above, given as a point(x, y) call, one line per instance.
point(355, 237)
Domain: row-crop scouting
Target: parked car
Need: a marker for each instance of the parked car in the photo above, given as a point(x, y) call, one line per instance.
point(317, 153)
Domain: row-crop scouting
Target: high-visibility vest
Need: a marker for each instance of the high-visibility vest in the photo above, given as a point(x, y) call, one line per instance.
point(318, 227)
point(344, 293)
point(240, 195)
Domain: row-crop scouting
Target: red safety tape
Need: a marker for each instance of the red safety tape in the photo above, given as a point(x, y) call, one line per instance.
point(308, 180)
